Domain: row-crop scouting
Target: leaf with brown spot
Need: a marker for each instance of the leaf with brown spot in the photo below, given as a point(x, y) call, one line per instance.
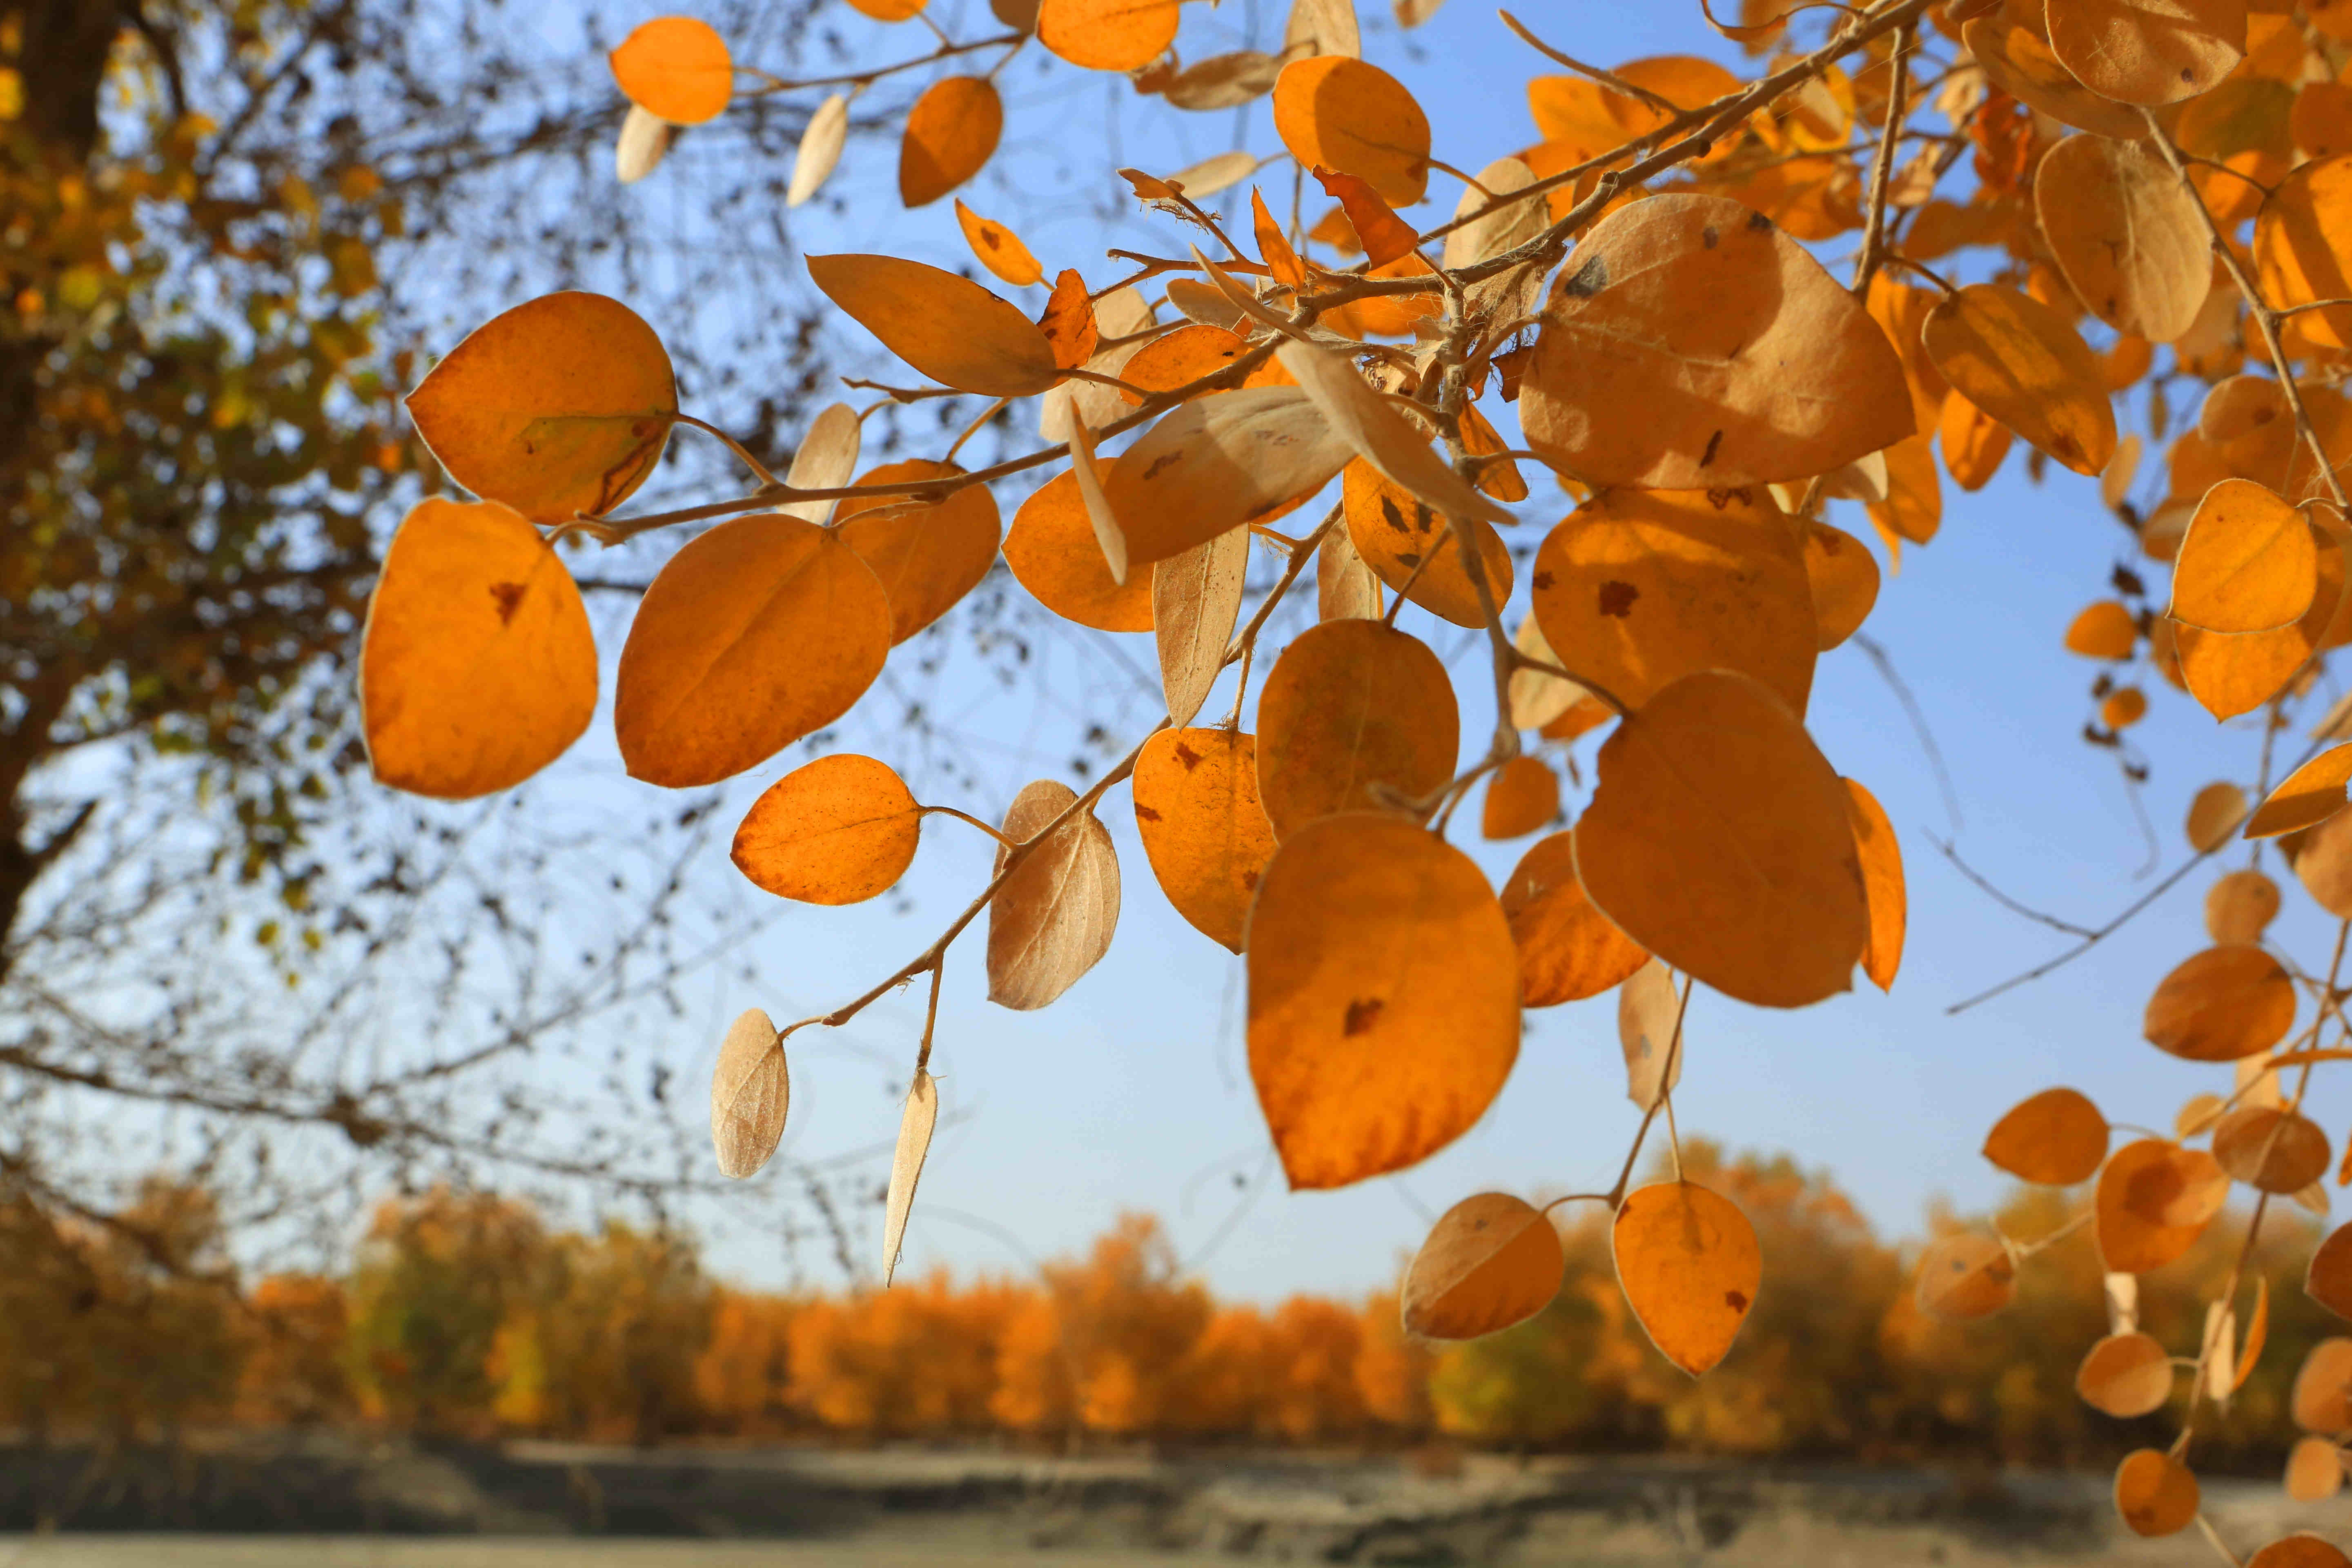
point(1966, 1276)
point(1490, 1261)
point(2270, 1149)
point(2153, 1200)
point(476, 665)
point(1649, 586)
point(1219, 462)
point(2249, 561)
point(2155, 1493)
point(2126, 235)
point(1068, 322)
point(999, 248)
point(1356, 716)
point(1689, 1263)
point(1411, 546)
point(2013, 46)
point(2150, 52)
point(839, 830)
point(1207, 838)
point(1384, 997)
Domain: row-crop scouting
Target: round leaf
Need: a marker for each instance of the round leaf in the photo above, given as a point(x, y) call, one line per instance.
point(2124, 1376)
point(2222, 1004)
point(1689, 1265)
point(1336, 112)
point(2240, 907)
point(1522, 795)
point(2314, 1471)
point(2328, 1281)
point(2019, 361)
point(1053, 553)
point(1219, 462)
point(1719, 838)
point(2248, 564)
point(477, 668)
point(2126, 235)
point(2153, 1200)
point(676, 67)
point(951, 132)
point(2149, 51)
point(2303, 241)
point(1412, 547)
point(1966, 1276)
point(558, 407)
point(2321, 1400)
point(2155, 1493)
point(2215, 813)
point(1844, 576)
point(750, 1089)
point(1052, 920)
point(2271, 1148)
point(1356, 716)
point(928, 555)
point(1384, 997)
point(1197, 811)
point(1108, 35)
point(837, 831)
point(1490, 1261)
point(1568, 949)
point(2056, 1139)
point(757, 633)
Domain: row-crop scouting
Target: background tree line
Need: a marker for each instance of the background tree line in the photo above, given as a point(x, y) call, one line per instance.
point(466, 1315)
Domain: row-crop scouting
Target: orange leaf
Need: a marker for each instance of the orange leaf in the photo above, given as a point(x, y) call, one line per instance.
point(1384, 236)
point(1881, 857)
point(999, 248)
point(1273, 248)
point(558, 407)
point(2247, 562)
point(1844, 576)
point(2312, 794)
point(1384, 997)
point(757, 633)
point(1197, 811)
point(477, 669)
point(2153, 1200)
point(2222, 1004)
point(2126, 234)
point(1719, 838)
point(1490, 1261)
point(1568, 949)
point(2054, 1139)
point(1522, 795)
point(1356, 716)
point(2270, 1149)
point(2149, 51)
point(2019, 361)
point(2104, 630)
point(838, 830)
point(1107, 35)
point(951, 132)
point(928, 554)
point(2155, 1493)
point(1412, 547)
point(1068, 322)
point(1966, 1276)
point(1053, 553)
point(947, 327)
point(676, 67)
point(1335, 111)
point(1687, 1261)
point(2126, 1375)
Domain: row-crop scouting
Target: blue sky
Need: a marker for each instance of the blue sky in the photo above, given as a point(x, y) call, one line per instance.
point(1132, 1092)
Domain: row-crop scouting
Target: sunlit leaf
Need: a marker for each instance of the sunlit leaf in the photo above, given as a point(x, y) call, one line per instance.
point(558, 407)
point(1406, 541)
point(1345, 589)
point(1844, 576)
point(645, 139)
point(2314, 1471)
point(2303, 248)
point(1052, 920)
point(827, 455)
point(2240, 907)
point(1648, 587)
point(1720, 839)
point(1197, 812)
point(2013, 44)
point(2126, 1375)
point(1490, 1261)
point(819, 149)
point(1380, 436)
point(2104, 630)
point(838, 830)
point(999, 248)
point(1321, 27)
point(2230, 674)
point(1107, 35)
point(2271, 1148)
point(1649, 1024)
point(1196, 599)
point(2312, 794)
point(2214, 813)
point(1974, 442)
point(928, 555)
point(1355, 715)
point(676, 67)
point(2019, 361)
point(1219, 462)
point(1966, 1276)
point(1568, 949)
point(1881, 858)
point(1689, 343)
point(1054, 553)
point(476, 665)
point(2155, 1493)
point(1384, 997)
point(1335, 111)
point(1522, 795)
point(2149, 51)
point(951, 132)
point(948, 327)
point(1689, 1265)
point(2126, 234)
point(755, 634)
point(750, 1089)
point(2248, 564)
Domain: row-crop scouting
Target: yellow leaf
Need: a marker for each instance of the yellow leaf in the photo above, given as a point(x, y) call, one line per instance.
point(916, 1123)
point(1356, 716)
point(951, 133)
point(750, 1089)
point(837, 831)
point(888, 10)
point(2149, 51)
point(757, 633)
point(2240, 907)
point(2126, 234)
point(676, 67)
point(2248, 564)
point(477, 669)
point(2126, 1375)
point(1914, 506)
point(1688, 1262)
point(948, 327)
point(1881, 858)
point(1719, 838)
point(928, 555)
point(2303, 238)
point(2054, 1139)
point(1490, 1261)
point(2013, 44)
point(1568, 949)
point(1380, 436)
point(1404, 541)
point(2312, 794)
point(1384, 997)
point(2155, 1493)
point(1844, 576)
point(1689, 343)
point(999, 248)
point(1974, 442)
point(558, 407)
point(1052, 920)
point(2104, 630)
point(1107, 35)
point(2019, 361)
point(1651, 585)
point(1197, 811)
point(1054, 553)
point(2233, 674)
point(2153, 1200)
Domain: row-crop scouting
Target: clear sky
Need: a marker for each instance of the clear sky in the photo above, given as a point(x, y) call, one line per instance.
point(1132, 1093)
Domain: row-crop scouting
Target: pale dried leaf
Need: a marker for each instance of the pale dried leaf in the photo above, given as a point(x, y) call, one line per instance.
point(914, 1124)
point(749, 1090)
